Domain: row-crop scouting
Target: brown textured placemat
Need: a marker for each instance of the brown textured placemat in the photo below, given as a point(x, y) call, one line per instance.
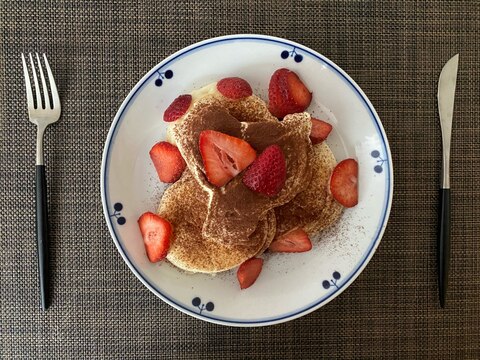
point(99, 50)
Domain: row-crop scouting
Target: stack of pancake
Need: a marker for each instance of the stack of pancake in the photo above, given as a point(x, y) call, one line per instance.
point(216, 229)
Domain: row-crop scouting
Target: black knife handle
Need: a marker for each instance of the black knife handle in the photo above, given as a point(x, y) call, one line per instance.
point(42, 233)
point(443, 250)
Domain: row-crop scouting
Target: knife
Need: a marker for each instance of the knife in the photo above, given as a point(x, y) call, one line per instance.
point(446, 97)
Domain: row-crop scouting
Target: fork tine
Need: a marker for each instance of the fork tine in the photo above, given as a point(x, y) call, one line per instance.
point(53, 86)
point(28, 85)
point(44, 85)
point(35, 80)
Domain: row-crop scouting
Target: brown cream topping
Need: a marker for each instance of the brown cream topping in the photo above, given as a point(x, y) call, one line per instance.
point(234, 210)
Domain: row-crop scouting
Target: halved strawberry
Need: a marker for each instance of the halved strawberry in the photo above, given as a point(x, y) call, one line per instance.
point(344, 182)
point(177, 108)
point(287, 94)
point(234, 88)
point(156, 232)
point(224, 156)
point(295, 240)
point(268, 172)
point(320, 131)
point(168, 161)
point(248, 272)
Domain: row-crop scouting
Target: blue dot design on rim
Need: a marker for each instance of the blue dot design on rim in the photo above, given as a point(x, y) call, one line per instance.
point(292, 53)
point(333, 282)
point(117, 207)
point(197, 302)
point(162, 75)
point(380, 161)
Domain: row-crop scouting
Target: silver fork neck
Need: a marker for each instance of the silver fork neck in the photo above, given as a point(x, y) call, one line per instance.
point(40, 132)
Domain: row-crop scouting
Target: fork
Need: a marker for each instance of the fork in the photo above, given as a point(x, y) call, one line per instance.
point(42, 111)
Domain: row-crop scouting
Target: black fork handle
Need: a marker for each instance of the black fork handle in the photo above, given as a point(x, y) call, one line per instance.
point(42, 233)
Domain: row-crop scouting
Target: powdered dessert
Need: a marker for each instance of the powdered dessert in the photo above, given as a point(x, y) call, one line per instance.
point(247, 178)
point(315, 208)
point(234, 210)
point(184, 204)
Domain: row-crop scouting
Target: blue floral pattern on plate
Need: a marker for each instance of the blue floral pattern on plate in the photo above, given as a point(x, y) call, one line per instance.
point(162, 75)
point(292, 53)
point(197, 302)
point(380, 161)
point(117, 207)
point(333, 282)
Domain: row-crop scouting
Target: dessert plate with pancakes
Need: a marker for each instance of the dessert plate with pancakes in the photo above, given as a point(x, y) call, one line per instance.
point(249, 188)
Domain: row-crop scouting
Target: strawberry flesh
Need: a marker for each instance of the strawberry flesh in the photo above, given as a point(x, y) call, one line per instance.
point(248, 272)
point(234, 88)
point(177, 108)
point(344, 183)
point(320, 131)
point(268, 172)
point(293, 241)
point(224, 156)
point(287, 94)
point(156, 232)
point(168, 161)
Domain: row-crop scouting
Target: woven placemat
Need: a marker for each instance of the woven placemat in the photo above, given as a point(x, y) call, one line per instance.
point(100, 49)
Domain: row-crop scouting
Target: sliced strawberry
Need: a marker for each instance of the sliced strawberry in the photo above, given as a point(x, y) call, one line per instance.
point(287, 94)
point(293, 241)
point(268, 172)
point(234, 88)
point(320, 131)
point(156, 232)
point(168, 161)
point(224, 156)
point(177, 108)
point(248, 272)
point(344, 182)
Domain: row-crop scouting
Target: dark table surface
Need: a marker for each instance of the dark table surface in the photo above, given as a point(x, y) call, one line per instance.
point(99, 50)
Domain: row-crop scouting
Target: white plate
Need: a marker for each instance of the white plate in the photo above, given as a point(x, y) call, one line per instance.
point(290, 285)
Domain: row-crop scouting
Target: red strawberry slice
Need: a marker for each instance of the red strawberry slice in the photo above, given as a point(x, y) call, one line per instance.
point(177, 108)
point(168, 161)
point(344, 183)
point(268, 172)
point(248, 272)
point(293, 241)
point(287, 94)
point(320, 131)
point(224, 156)
point(234, 88)
point(156, 232)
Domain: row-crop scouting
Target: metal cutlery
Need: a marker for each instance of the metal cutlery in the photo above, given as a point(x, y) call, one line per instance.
point(446, 96)
point(42, 111)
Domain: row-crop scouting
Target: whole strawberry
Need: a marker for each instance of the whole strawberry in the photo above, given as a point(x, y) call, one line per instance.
point(177, 108)
point(234, 88)
point(287, 94)
point(268, 172)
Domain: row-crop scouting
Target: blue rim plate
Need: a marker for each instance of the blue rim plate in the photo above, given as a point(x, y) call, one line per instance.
point(290, 285)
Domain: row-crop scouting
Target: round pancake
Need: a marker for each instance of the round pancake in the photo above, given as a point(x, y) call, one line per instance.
point(313, 209)
point(184, 204)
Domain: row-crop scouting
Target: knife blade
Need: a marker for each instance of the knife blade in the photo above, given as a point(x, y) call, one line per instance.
point(446, 98)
